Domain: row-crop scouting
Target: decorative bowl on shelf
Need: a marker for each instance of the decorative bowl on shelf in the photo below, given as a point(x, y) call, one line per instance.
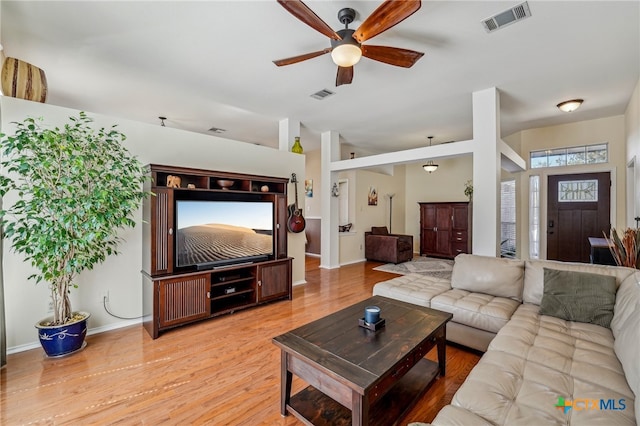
point(225, 183)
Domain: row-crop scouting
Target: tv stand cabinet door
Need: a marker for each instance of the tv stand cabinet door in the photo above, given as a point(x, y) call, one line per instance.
point(183, 300)
point(274, 280)
point(162, 231)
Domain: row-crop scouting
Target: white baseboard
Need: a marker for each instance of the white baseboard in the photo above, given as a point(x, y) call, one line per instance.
point(91, 331)
point(353, 261)
point(22, 348)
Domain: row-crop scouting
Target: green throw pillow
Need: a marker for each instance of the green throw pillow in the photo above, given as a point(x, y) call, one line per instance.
point(579, 296)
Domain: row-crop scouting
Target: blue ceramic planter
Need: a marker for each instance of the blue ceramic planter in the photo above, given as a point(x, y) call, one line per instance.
point(64, 339)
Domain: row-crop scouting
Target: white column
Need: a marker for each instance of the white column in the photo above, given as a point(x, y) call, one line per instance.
point(486, 172)
point(330, 247)
point(288, 130)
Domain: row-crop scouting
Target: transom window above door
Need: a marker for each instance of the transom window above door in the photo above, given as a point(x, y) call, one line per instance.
point(570, 156)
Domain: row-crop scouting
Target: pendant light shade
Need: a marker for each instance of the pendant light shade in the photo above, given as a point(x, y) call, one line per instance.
point(430, 167)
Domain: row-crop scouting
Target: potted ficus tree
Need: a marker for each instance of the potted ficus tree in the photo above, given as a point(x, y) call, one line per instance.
point(77, 187)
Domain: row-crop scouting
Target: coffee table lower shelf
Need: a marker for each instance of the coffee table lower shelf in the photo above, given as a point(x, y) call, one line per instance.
point(313, 407)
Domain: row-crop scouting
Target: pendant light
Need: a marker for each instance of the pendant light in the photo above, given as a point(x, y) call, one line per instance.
point(430, 166)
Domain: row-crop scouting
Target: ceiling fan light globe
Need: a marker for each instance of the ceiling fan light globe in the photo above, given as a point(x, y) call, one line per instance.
point(346, 55)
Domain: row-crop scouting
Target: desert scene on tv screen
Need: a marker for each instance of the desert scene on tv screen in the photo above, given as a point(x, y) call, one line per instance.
point(214, 242)
point(213, 232)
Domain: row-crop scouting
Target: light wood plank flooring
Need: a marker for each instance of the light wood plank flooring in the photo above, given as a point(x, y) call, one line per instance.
point(223, 371)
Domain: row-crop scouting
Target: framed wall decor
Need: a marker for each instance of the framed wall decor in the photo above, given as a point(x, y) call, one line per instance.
point(308, 187)
point(373, 196)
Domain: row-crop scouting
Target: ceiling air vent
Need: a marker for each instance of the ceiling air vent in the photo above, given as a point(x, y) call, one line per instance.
point(321, 94)
point(507, 17)
point(217, 130)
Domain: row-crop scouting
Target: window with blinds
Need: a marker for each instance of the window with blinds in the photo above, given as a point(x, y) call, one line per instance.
point(508, 218)
point(534, 217)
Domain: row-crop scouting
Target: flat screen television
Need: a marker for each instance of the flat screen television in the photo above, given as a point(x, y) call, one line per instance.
point(211, 233)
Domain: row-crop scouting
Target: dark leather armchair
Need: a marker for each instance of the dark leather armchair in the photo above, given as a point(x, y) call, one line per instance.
point(381, 246)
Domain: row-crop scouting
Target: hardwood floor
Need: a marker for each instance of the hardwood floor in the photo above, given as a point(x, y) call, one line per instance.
point(223, 371)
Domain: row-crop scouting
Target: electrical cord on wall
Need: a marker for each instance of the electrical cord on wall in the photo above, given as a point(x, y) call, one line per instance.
point(104, 304)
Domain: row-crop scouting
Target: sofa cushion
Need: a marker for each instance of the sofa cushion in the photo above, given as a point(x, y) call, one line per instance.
point(476, 310)
point(489, 275)
point(534, 275)
point(536, 359)
point(578, 296)
point(451, 415)
point(625, 326)
point(379, 230)
point(412, 288)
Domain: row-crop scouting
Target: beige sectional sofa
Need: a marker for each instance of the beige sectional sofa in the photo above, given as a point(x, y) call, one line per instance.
point(538, 368)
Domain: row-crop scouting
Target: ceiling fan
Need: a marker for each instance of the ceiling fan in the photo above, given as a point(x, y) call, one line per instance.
point(346, 44)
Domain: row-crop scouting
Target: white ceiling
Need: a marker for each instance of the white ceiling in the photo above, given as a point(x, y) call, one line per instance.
point(208, 64)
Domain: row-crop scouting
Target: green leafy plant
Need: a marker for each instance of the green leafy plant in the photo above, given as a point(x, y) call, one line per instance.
point(77, 187)
point(468, 189)
point(625, 250)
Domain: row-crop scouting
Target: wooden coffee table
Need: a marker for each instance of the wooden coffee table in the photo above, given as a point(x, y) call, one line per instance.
point(358, 376)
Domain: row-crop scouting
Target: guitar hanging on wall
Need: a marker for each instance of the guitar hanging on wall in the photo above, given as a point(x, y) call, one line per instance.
point(296, 222)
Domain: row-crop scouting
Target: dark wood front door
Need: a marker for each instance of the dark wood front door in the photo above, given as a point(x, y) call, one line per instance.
point(578, 207)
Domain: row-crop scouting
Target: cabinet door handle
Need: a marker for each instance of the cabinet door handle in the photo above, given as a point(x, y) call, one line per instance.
point(259, 283)
point(208, 295)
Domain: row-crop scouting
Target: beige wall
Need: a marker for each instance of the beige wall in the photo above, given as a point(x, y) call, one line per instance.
point(366, 216)
point(445, 184)
point(363, 216)
point(27, 303)
point(610, 129)
point(313, 205)
point(632, 131)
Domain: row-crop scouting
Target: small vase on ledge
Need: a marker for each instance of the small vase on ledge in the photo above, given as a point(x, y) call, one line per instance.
point(297, 148)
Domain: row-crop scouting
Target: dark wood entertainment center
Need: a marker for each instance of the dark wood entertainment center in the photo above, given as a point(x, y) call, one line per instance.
point(173, 295)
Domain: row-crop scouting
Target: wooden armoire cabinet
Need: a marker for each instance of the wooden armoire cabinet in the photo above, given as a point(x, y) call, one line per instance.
point(445, 229)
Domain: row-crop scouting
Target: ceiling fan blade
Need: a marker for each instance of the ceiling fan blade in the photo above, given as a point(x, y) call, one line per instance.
point(300, 58)
point(392, 55)
point(344, 76)
point(306, 15)
point(388, 14)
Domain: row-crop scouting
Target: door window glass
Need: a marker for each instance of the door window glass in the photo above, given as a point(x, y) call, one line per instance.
point(571, 191)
